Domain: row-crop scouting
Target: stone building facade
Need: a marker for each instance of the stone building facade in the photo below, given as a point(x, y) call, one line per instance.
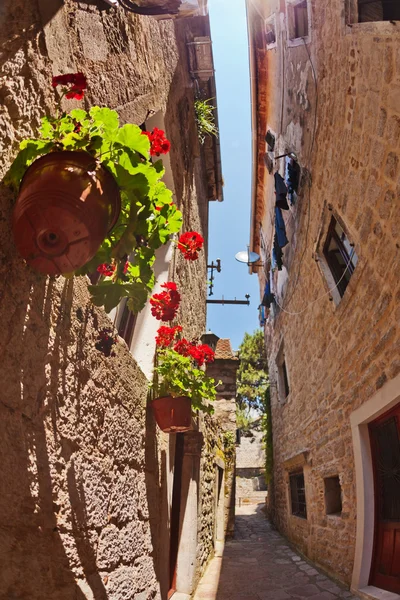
point(326, 91)
point(224, 369)
point(87, 486)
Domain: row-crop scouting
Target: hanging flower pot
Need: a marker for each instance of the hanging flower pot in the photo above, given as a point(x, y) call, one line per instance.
point(173, 415)
point(67, 204)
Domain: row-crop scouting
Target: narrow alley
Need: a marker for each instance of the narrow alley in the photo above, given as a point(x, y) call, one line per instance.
point(258, 564)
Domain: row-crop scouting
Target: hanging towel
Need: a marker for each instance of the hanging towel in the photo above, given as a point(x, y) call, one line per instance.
point(280, 228)
point(281, 192)
point(268, 297)
point(261, 315)
point(274, 262)
point(278, 254)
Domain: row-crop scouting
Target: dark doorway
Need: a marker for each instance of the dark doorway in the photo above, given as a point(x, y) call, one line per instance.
point(385, 447)
point(175, 513)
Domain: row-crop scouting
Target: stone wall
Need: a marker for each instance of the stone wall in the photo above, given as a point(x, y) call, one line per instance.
point(338, 354)
point(224, 370)
point(84, 486)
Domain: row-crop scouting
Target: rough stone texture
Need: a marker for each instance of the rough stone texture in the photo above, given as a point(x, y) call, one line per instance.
point(337, 355)
point(224, 369)
point(82, 494)
point(259, 564)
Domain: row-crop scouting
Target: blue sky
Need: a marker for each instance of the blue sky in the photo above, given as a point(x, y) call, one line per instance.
point(229, 229)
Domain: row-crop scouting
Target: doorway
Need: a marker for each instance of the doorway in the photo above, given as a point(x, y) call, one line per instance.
point(385, 448)
point(175, 513)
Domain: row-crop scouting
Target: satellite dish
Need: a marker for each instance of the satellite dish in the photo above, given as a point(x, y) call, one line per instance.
point(245, 256)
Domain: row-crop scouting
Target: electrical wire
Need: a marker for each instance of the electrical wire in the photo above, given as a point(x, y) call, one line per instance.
point(328, 293)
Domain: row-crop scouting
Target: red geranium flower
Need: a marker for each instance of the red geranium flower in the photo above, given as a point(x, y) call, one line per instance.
point(106, 270)
point(76, 80)
point(166, 335)
point(158, 142)
point(202, 354)
point(183, 347)
point(164, 306)
point(189, 244)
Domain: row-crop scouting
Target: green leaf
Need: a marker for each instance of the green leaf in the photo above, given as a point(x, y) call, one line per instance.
point(47, 130)
point(107, 293)
point(106, 119)
point(30, 150)
point(79, 115)
point(131, 136)
point(137, 297)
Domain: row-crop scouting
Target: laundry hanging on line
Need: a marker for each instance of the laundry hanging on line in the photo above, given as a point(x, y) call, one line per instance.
point(268, 297)
point(281, 192)
point(280, 228)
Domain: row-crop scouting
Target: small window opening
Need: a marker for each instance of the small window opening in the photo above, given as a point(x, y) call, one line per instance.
point(126, 324)
point(378, 10)
point(333, 496)
point(340, 256)
point(270, 139)
point(283, 378)
point(298, 19)
point(298, 495)
point(270, 32)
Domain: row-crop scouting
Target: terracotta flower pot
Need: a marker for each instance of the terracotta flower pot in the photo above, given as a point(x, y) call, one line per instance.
point(66, 205)
point(173, 415)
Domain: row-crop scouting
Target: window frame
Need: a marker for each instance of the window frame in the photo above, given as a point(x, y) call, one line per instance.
point(298, 508)
point(271, 20)
point(283, 374)
point(126, 323)
point(333, 265)
point(383, 3)
point(291, 20)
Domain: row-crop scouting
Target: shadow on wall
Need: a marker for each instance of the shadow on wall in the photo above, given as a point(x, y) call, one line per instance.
point(156, 476)
point(29, 533)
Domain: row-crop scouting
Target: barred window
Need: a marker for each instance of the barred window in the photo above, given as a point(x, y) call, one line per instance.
point(378, 10)
point(298, 494)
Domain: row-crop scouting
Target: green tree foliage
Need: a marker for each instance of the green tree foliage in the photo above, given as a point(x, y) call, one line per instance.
point(252, 377)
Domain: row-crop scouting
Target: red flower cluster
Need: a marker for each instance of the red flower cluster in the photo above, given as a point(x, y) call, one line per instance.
point(76, 80)
point(109, 270)
point(106, 270)
point(164, 306)
point(201, 354)
point(166, 335)
point(158, 142)
point(189, 244)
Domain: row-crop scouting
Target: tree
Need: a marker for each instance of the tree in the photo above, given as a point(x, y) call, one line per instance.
point(252, 376)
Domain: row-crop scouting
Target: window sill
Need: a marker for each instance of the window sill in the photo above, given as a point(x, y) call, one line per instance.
point(302, 519)
point(372, 28)
point(293, 43)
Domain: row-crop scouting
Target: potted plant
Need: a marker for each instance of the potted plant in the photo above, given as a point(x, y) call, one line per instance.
point(90, 198)
point(180, 384)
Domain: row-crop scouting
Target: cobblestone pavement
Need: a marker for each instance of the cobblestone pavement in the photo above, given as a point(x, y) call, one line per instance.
point(258, 564)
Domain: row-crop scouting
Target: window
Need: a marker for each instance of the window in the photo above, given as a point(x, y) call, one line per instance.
point(378, 10)
point(333, 496)
point(270, 31)
point(126, 323)
point(297, 14)
point(298, 494)
point(283, 379)
point(340, 255)
point(270, 139)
